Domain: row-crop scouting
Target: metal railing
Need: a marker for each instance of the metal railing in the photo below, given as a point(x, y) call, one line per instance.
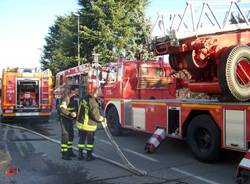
point(203, 17)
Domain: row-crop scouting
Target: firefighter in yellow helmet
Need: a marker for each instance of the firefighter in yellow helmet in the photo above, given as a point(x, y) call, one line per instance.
point(68, 109)
point(88, 117)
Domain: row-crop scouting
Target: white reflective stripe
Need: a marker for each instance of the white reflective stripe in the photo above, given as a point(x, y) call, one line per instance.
point(101, 118)
point(154, 141)
point(27, 113)
point(245, 163)
point(160, 132)
point(63, 105)
point(104, 124)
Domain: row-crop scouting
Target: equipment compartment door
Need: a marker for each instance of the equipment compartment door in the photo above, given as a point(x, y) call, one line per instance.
point(27, 94)
point(139, 118)
point(235, 128)
point(173, 121)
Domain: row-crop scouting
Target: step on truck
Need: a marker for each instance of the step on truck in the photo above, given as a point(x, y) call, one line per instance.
point(26, 92)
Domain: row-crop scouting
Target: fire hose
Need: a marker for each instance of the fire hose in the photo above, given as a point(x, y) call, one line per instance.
point(128, 166)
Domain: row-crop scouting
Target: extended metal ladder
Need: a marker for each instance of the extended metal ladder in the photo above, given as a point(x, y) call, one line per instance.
point(203, 17)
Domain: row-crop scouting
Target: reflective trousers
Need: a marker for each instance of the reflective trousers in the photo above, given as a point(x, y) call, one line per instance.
point(67, 133)
point(86, 140)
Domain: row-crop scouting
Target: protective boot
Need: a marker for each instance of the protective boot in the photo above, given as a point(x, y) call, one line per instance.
point(65, 155)
point(71, 153)
point(90, 157)
point(80, 154)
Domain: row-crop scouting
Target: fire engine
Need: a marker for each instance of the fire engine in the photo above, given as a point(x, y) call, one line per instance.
point(143, 96)
point(150, 80)
point(73, 77)
point(136, 101)
point(26, 92)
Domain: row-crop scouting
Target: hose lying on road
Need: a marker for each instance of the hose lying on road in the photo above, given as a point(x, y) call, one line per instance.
point(128, 166)
point(120, 153)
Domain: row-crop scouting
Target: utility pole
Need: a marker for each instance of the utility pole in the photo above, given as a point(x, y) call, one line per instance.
point(78, 37)
point(96, 66)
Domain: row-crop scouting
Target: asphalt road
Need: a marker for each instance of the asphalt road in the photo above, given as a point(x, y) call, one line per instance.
point(26, 158)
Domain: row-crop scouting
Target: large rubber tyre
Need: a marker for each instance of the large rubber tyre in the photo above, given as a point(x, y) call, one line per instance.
point(174, 62)
point(113, 122)
point(230, 84)
point(203, 138)
point(195, 72)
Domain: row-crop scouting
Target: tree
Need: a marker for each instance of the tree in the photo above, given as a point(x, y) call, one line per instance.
point(112, 27)
point(107, 27)
point(60, 50)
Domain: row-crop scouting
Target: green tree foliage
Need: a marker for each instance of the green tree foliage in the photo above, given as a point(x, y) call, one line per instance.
point(115, 27)
point(108, 27)
point(59, 52)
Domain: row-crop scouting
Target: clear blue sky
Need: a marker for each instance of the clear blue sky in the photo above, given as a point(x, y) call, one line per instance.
point(25, 23)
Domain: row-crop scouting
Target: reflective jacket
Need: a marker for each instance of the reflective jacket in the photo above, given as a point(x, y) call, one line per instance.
point(88, 114)
point(68, 106)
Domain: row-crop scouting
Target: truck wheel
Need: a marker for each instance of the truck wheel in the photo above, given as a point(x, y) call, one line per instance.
point(234, 73)
point(195, 72)
point(203, 138)
point(113, 121)
point(173, 62)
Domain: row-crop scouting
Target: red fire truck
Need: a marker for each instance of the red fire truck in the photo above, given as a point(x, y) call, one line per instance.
point(26, 92)
point(150, 79)
point(143, 97)
point(73, 77)
point(136, 101)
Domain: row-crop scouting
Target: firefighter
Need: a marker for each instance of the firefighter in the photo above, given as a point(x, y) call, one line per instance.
point(68, 109)
point(88, 117)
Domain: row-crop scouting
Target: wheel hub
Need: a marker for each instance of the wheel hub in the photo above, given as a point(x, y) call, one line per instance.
point(203, 139)
point(243, 72)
